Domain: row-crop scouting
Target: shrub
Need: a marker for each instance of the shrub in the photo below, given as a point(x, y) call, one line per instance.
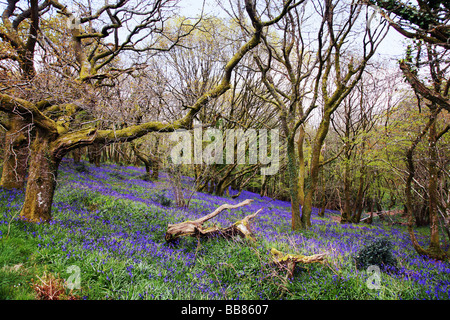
point(162, 199)
point(81, 167)
point(377, 253)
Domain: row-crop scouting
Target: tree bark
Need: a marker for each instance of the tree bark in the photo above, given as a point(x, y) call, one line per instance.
point(41, 181)
point(346, 214)
point(296, 223)
point(16, 153)
point(359, 203)
point(301, 165)
point(315, 167)
point(435, 246)
point(76, 154)
point(434, 251)
point(94, 154)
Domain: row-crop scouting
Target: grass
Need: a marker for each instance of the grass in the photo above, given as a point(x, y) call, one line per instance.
point(109, 225)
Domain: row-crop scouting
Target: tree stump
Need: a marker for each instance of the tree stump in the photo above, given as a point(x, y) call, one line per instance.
point(195, 228)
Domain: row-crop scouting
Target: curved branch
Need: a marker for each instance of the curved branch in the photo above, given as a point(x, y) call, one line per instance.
point(422, 90)
point(27, 110)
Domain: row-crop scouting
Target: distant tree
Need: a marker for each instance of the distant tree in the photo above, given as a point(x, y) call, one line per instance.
point(353, 123)
point(198, 69)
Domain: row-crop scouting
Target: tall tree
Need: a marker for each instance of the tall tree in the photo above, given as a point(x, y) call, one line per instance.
point(318, 73)
point(18, 48)
point(427, 24)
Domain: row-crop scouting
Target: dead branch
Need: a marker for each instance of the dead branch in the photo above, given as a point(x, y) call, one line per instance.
point(195, 228)
point(289, 261)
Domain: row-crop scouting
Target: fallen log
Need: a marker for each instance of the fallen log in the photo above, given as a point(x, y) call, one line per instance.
point(195, 228)
point(289, 261)
point(380, 214)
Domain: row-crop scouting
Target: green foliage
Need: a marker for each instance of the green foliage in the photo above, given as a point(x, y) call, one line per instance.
point(379, 253)
point(161, 197)
point(422, 16)
point(16, 263)
point(81, 167)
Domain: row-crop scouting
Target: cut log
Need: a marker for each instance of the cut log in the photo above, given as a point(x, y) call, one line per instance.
point(289, 261)
point(195, 228)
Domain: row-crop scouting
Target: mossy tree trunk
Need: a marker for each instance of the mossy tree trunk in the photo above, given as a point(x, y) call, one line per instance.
point(435, 246)
point(301, 165)
point(315, 166)
point(151, 162)
point(346, 213)
point(156, 161)
point(296, 222)
point(41, 181)
point(362, 188)
point(434, 251)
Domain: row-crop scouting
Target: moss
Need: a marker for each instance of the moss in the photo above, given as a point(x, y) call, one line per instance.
point(41, 182)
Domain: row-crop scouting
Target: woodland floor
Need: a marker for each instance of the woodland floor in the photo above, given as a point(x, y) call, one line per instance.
point(109, 225)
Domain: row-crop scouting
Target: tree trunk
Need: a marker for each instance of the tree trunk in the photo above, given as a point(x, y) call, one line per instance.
point(263, 186)
point(359, 203)
point(301, 166)
point(434, 251)
point(15, 154)
point(323, 198)
point(306, 210)
point(94, 154)
point(315, 168)
point(221, 187)
point(156, 160)
point(41, 181)
point(294, 186)
point(147, 169)
point(346, 214)
point(151, 162)
point(421, 212)
point(76, 154)
point(435, 246)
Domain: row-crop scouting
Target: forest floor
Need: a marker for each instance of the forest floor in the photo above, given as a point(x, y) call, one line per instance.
point(106, 240)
